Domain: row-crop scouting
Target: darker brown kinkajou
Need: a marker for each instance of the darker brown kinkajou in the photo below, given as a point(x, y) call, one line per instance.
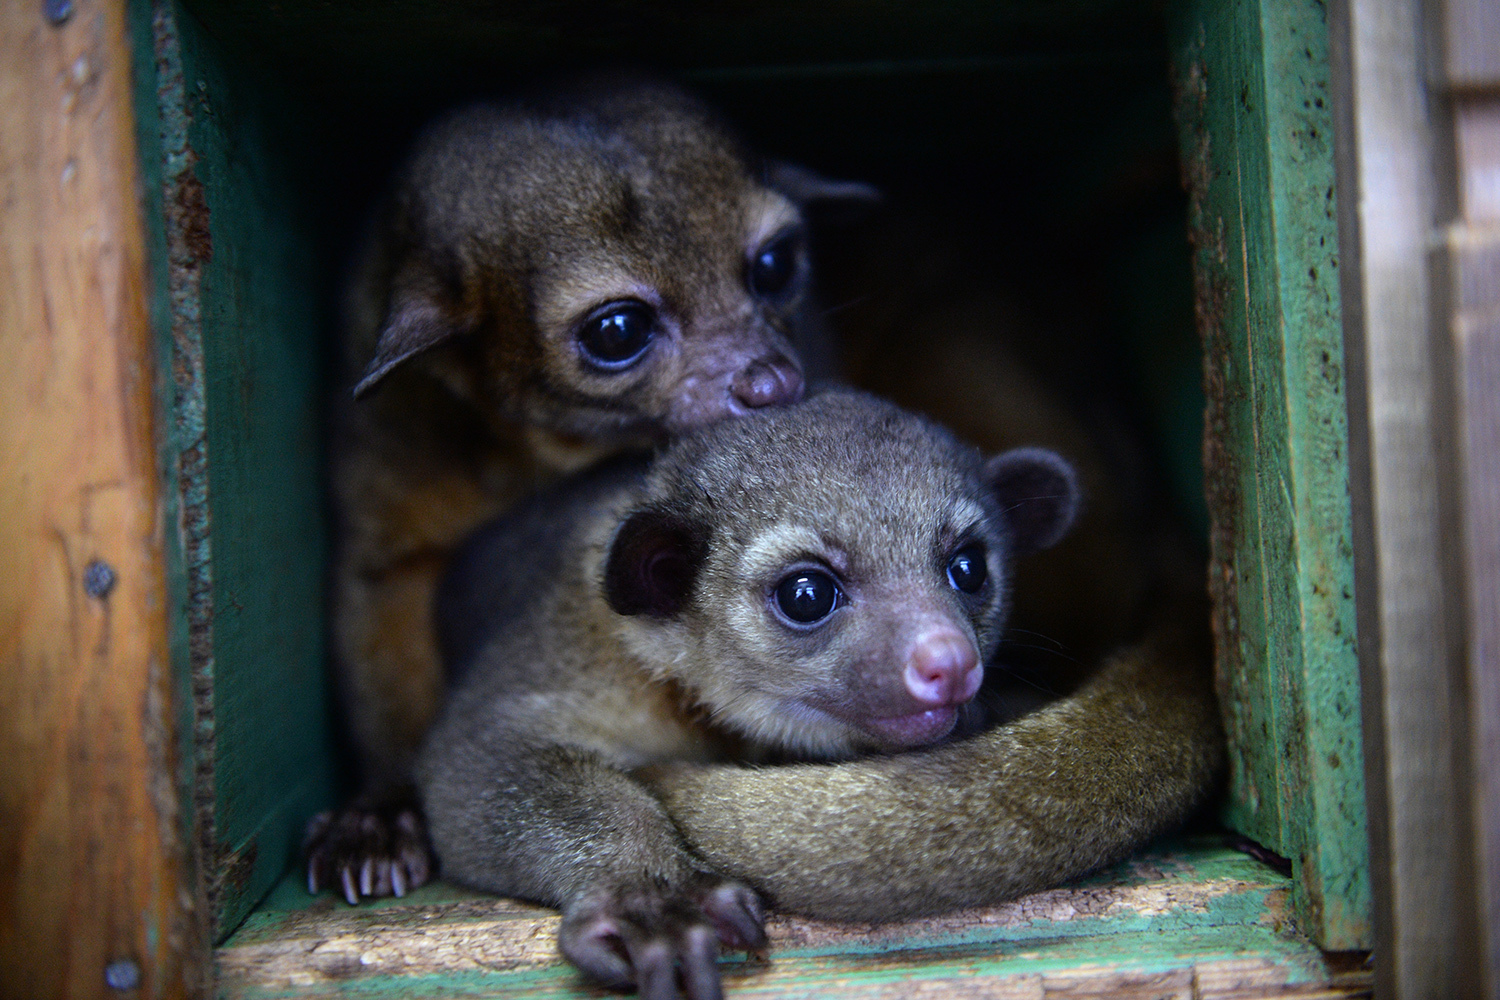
point(595, 266)
point(821, 581)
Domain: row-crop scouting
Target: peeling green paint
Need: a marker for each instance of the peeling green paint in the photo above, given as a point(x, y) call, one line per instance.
point(1256, 134)
point(238, 340)
point(1172, 916)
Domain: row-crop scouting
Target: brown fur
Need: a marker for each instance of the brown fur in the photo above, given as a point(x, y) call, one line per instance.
point(629, 620)
point(1075, 785)
point(908, 281)
point(509, 228)
point(1078, 783)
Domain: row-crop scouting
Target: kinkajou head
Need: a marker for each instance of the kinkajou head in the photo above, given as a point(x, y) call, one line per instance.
point(832, 579)
point(598, 260)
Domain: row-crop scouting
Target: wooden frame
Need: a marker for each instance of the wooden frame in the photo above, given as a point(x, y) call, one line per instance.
point(1419, 127)
point(115, 839)
point(95, 892)
point(1256, 123)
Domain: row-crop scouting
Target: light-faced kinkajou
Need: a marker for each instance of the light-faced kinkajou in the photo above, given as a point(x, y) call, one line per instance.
point(822, 581)
point(1080, 782)
point(595, 266)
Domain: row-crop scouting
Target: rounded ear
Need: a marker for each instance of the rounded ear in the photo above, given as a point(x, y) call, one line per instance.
point(1039, 494)
point(653, 563)
point(415, 322)
point(804, 186)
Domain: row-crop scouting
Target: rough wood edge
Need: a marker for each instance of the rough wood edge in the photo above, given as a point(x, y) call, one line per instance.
point(325, 953)
point(91, 900)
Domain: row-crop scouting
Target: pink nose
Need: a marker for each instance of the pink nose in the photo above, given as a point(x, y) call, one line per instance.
point(943, 669)
point(770, 382)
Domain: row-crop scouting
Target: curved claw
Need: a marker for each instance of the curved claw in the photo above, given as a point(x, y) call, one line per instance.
point(663, 942)
point(366, 851)
point(738, 917)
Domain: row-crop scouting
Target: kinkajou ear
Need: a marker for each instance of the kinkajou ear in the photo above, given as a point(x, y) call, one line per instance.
point(1039, 494)
point(653, 563)
point(806, 187)
point(415, 321)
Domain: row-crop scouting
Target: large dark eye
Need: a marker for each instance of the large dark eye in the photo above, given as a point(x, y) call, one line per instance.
point(966, 569)
point(774, 265)
point(807, 596)
point(616, 336)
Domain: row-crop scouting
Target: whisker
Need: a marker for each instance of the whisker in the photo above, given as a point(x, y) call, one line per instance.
point(1043, 649)
point(1029, 682)
point(1054, 496)
point(829, 311)
point(1040, 635)
point(1057, 649)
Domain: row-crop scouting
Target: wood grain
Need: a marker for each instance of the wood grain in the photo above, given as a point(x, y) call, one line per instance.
point(1254, 109)
point(89, 863)
point(1406, 409)
point(1473, 258)
point(1190, 921)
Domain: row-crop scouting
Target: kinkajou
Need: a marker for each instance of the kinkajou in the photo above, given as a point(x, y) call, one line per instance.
point(593, 266)
point(820, 581)
point(1078, 783)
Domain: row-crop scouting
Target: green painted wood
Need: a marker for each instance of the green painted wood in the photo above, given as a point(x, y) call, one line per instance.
point(239, 330)
point(1256, 137)
point(176, 428)
point(1190, 918)
point(240, 277)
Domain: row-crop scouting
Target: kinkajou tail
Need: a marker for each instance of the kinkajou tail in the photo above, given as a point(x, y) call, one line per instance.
point(1056, 794)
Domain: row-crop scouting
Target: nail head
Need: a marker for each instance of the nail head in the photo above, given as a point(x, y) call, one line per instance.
point(122, 975)
point(98, 579)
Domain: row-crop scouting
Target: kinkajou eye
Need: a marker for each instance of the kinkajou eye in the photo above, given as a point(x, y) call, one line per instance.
point(967, 570)
point(615, 336)
point(775, 264)
point(807, 596)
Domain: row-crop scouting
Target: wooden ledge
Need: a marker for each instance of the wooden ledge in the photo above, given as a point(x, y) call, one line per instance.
point(1192, 919)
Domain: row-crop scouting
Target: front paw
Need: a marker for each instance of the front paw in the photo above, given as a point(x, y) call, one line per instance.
point(368, 850)
point(662, 941)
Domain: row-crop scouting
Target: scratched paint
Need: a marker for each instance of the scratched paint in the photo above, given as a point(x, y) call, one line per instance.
point(237, 339)
point(1191, 919)
point(1256, 137)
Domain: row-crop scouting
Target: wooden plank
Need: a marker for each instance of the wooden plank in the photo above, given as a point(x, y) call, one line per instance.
point(1256, 137)
point(1189, 921)
point(1327, 804)
point(1477, 124)
point(1475, 256)
point(243, 341)
point(92, 877)
point(1393, 136)
point(1472, 42)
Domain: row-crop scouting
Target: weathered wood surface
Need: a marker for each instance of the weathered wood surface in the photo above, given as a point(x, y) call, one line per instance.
point(1256, 134)
point(91, 874)
point(1422, 287)
point(240, 338)
point(1473, 265)
point(1191, 923)
point(1474, 260)
point(1471, 43)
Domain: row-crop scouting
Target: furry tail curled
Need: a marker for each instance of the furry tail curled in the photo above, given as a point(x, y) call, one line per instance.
point(1074, 786)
